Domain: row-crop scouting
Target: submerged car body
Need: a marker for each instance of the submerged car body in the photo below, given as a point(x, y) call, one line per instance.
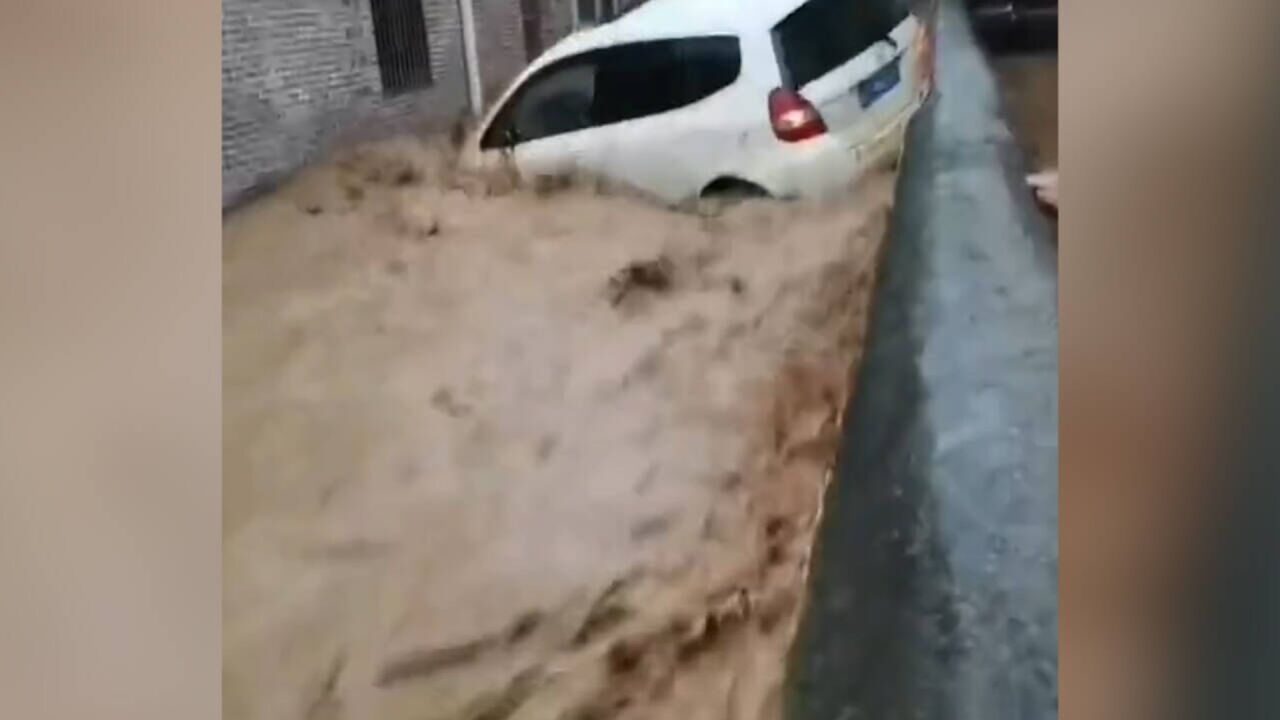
point(678, 98)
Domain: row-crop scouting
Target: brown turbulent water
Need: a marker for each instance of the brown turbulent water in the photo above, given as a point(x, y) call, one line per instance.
point(532, 453)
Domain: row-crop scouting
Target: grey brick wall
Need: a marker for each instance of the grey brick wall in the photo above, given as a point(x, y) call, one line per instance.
point(299, 76)
point(499, 43)
point(557, 20)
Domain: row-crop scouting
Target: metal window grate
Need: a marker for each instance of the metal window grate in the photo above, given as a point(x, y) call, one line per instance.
point(531, 24)
point(586, 12)
point(598, 12)
point(404, 58)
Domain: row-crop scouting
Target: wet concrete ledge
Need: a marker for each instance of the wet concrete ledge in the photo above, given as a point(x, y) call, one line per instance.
point(934, 587)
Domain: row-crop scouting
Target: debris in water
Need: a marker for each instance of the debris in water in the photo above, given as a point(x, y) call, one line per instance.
point(524, 626)
point(406, 176)
point(654, 275)
point(774, 526)
point(624, 656)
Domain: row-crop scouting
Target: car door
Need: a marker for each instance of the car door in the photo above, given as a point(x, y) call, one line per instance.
point(660, 135)
point(546, 127)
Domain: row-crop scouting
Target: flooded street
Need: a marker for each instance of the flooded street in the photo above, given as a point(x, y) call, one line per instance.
point(525, 453)
point(1029, 83)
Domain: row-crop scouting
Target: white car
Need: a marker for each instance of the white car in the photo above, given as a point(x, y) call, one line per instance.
point(684, 98)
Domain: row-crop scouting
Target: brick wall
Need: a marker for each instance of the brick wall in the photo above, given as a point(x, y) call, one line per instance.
point(557, 20)
point(499, 43)
point(299, 76)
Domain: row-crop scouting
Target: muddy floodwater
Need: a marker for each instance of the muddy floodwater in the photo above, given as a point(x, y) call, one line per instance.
point(1029, 88)
point(525, 453)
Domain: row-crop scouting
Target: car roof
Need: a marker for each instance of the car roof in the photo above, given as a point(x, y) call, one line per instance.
point(659, 19)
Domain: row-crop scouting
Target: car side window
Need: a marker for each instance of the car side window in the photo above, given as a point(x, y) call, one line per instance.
point(712, 64)
point(615, 84)
point(555, 101)
point(649, 78)
point(637, 80)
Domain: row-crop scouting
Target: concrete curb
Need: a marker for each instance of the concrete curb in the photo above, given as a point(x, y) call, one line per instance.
point(934, 586)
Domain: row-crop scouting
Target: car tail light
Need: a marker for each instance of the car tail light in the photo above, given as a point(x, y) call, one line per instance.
point(793, 118)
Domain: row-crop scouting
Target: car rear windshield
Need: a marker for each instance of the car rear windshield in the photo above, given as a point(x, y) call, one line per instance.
point(615, 84)
point(821, 35)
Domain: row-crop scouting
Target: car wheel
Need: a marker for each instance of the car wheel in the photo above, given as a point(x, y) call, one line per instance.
point(733, 189)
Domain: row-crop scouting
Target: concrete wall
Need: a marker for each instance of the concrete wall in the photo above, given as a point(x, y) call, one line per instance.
point(299, 76)
point(934, 590)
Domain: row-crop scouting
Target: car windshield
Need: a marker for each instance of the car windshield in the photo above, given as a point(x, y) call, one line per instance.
point(821, 35)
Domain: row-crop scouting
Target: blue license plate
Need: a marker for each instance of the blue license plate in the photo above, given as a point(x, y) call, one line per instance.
point(874, 86)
